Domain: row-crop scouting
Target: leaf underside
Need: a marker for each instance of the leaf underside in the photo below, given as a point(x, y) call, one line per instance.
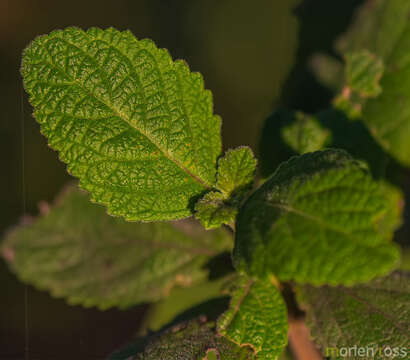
point(257, 317)
point(80, 253)
point(136, 127)
point(316, 220)
point(373, 315)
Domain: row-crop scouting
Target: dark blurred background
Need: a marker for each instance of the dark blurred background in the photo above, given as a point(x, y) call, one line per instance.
point(253, 55)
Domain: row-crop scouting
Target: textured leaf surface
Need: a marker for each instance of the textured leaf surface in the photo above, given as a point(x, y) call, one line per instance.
point(236, 172)
point(305, 134)
point(374, 315)
point(315, 220)
point(135, 127)
point(79, 252)
point(193, 340)
point(213, 210)
point(256, 317)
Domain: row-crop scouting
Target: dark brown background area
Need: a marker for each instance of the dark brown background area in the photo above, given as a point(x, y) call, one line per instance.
point(246, 51)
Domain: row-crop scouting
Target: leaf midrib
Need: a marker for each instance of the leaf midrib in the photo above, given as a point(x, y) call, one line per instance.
point(319, 221)
point(115, 111)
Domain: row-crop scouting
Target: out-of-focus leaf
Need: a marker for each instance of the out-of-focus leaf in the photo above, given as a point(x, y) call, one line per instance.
point(328, 70)
point(213, 210)
point(236, 172)
point(363, 73)
point(80, 253)
point(377, 26)
point(373, 316)
point(388, 115)
point(305, 134)
point(383, 28)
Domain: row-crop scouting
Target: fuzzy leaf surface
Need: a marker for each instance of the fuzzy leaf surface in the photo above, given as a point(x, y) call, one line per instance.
point(136, 127)
point(373, 315)
point(236, 172)
point(257, 317)
point(213, 210)
point(315, 220)
point(193, 340)
point(80, 253)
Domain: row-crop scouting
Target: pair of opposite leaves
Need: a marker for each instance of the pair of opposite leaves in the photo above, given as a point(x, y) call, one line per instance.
point(139, 132)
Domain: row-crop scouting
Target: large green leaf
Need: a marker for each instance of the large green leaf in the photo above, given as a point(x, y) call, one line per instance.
point(79, 252)
point(193, 340)
point(383, 28)
point(372, 316)
point(256, 317)
point(377, 26)
point(316, 220)
point(388, 115)
point(135, 127)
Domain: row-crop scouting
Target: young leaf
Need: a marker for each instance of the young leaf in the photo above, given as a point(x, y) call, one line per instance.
point(315, 220)
point(135, 127)
point(256, 317)
point(213, 210)
point(363, 73)
point(194, 340)
point(80, 253)
point(373, 316)
point(236, 172)
point(305, 134)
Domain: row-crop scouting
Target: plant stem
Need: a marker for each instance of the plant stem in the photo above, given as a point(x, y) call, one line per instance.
point(300, 342)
